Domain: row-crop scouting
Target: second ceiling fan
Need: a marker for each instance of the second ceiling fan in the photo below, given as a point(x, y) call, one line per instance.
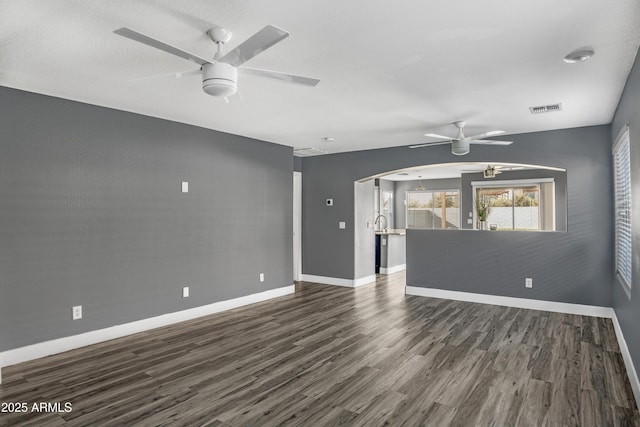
point(220, 74)
point(460, 145)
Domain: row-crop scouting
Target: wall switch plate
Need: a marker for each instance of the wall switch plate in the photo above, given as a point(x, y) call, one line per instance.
point(185, 187)
point(469, 221)
point(342, 225)
point(262, 277)
point(384, 242)
point(528, 282)
point(185, 292)
point(76, 312)
point(470, 214)
point(329, 202)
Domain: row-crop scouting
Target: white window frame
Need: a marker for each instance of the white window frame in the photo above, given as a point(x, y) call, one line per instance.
point(622, 210)
point(406, 203)
point(512, 183)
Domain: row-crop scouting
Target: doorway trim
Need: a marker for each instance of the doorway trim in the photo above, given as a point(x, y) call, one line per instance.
point(297, 226)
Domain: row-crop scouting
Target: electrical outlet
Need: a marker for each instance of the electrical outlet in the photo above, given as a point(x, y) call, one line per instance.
point(342, 225)
point(262, 277)
point(528, 282)
point(76, 312)
point(185, 292)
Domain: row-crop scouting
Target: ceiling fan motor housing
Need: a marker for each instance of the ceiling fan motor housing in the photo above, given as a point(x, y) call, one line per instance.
point(219, 79)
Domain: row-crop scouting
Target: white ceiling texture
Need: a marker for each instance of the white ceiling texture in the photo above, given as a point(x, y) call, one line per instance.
point(389, 71)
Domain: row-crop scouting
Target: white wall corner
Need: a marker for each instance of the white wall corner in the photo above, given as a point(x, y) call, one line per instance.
point(47, 348)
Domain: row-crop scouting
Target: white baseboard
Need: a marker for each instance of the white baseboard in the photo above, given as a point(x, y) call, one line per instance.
point(628, 362)
point(364, 280)
point(533, 304)
point(35, 351)
point(335, 281)
point(394, 269)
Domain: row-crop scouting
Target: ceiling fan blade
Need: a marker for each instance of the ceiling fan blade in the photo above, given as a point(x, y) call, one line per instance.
point(428, 144)
point(178, 75)
point(487, 134)
point(490, 142)
point(259, 42)
point(435, 135)
point(291, 78)
point(150, 41)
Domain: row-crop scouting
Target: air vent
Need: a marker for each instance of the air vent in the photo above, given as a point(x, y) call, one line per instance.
point(304, 152)
point(546, 108)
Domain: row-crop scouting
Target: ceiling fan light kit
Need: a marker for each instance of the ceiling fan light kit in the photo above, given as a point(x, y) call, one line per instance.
point(219, 79)
point(460, 147)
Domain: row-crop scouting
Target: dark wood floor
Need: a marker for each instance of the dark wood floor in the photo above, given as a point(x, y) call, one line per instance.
point(337, 356)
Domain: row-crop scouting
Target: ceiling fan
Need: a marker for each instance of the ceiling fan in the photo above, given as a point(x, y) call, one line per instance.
point(460, 144)
point(220, 74)
point(491, 171)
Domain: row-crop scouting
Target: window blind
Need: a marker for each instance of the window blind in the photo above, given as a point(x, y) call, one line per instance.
point(622, 189)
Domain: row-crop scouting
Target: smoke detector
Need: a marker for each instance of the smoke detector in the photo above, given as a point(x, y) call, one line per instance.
point(579, 55)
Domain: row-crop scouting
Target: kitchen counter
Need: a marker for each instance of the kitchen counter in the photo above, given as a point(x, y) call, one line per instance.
point(392, 231)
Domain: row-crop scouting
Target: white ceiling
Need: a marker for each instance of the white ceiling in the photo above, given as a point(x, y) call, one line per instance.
point(389, 72)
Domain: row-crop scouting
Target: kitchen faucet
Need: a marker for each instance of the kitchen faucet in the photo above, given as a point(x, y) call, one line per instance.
point(385, 221)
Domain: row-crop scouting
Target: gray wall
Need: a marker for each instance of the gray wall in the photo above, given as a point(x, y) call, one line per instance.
point(297, 164)
point(93, 215)
point(466, 196)
point(429, 184)
point(628, 311)
point(584, 152)
point(563, 269)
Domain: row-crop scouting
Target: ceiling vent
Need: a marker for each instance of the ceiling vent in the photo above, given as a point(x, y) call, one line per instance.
point(546, 108)
point(304, 152)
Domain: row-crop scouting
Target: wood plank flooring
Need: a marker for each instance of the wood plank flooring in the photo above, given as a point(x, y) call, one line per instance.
point(337, 356)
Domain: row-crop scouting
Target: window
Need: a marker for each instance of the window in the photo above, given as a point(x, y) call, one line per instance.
point(518, 204)
point(386, 209)
point(433, 209)
point(622, 195)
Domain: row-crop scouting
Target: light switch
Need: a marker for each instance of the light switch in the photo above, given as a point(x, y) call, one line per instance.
point(384, 242)
point(342, 225)
point(470, 214)
point(185, 187)
point(185, 292)
point(469, 221)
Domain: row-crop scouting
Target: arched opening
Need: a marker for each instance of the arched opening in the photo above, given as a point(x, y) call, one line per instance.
point(461, 196)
